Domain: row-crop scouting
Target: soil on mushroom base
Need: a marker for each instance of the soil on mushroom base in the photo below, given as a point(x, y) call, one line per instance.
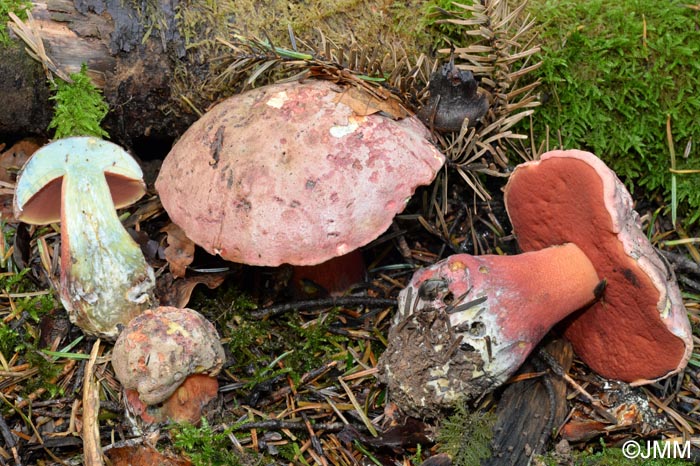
point(422, 343)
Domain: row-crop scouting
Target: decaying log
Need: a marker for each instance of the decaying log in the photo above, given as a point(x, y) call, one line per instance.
point(134, 75)
point(529, 410)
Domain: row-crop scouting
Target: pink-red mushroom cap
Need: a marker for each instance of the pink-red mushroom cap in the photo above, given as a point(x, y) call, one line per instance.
point(639, 331)
point(288, 174)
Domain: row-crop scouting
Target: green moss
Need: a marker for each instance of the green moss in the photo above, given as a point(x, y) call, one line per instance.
point(205, 75)
point(301, 346)
point(205, 447)
point(18, 7)
point(80, 107)
point(9, 339)
point(612, 72)
point(434, 14)
point(24, 339)
point(35, 306)
point(605, 456)
point(466, 436)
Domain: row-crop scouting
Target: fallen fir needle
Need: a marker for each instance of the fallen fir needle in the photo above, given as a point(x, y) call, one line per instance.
point(273, 311)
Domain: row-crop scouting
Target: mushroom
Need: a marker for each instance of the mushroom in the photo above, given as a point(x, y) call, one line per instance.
point(288, 173)
point(639, 332)
point(466, 323)
point(167, 360)
point(105, 280)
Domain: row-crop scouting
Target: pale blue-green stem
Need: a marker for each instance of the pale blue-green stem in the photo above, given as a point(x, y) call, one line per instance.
point(81, 181)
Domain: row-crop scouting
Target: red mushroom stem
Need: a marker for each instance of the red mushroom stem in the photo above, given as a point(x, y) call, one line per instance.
point(467, 323)
point(543, 286)
point(333, 277)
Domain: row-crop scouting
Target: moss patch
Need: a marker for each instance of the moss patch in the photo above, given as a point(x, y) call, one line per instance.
point(80, 107)
point(18, 7)
point(613, 72)
point(369, 23)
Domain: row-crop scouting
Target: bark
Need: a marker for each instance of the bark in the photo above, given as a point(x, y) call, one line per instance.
point(530, 410)
point(134, 75)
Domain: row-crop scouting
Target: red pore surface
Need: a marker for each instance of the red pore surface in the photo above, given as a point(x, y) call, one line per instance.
point(285, 174)
point(639, 330)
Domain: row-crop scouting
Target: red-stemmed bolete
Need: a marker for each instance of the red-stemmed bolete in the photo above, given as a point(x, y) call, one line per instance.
point(167, 360)
point(80, 181)
point(290, 173)
point(465, 324)
point(639, 331)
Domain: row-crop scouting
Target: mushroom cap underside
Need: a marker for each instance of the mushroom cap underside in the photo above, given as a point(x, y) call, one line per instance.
point(39, 184)
point(639, 331)
point(287, 174)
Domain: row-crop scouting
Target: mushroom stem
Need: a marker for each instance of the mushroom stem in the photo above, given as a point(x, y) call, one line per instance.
point(465, 324)
point(332, 277)
point(105, 279)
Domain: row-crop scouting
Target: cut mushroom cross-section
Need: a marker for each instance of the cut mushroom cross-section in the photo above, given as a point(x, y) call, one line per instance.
point(105, 280)
point(639, 332)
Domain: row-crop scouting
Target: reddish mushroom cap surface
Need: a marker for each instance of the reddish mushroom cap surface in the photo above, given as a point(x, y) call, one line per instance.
point(639, 331)
point(160, 348)
point(286, 174)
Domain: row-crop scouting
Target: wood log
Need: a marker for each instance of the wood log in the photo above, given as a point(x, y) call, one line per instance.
point(529, 410)
point(157, 61)
point(134, 74)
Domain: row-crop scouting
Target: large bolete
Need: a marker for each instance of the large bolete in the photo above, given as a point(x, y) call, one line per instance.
point(289, 173)
point(465, 324)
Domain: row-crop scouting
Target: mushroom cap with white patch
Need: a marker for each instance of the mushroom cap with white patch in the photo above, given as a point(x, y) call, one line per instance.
point(288, 174)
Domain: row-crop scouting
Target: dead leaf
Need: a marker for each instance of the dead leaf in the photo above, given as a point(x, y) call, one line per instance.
point(14, 158)
point(177, 292)
point(365, 102)
point(180, 250)
point(11, 161)
point(144, 455)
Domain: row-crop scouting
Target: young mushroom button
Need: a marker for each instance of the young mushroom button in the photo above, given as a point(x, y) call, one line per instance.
point(80, 181)
point(167, 360)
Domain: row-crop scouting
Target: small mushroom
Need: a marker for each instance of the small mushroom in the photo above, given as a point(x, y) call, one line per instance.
point(288, 173)
point(105, 280)
point(167, 360)
point(465, 324)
